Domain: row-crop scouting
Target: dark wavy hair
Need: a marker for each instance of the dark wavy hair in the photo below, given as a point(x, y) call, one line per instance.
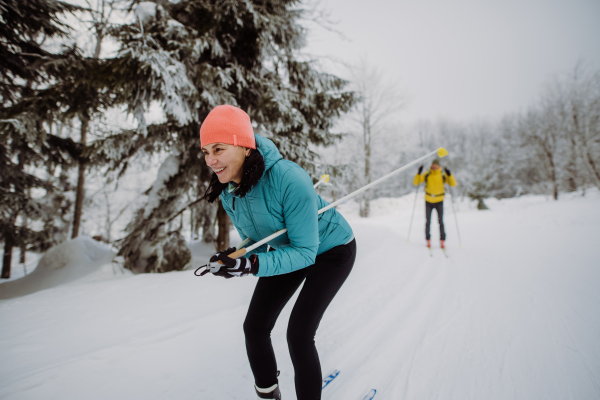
point(253, 169)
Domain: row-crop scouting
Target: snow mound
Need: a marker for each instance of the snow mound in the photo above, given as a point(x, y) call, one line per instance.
point(82, 250)
point(64, 263)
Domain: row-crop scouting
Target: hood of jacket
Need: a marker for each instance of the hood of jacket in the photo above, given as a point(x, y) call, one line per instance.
point(268, 150)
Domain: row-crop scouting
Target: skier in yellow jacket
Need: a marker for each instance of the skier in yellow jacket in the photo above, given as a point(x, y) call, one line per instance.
point(434, 180)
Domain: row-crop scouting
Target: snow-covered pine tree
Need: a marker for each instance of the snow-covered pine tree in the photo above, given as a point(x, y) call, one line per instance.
point(24, 61)
point(66, 86)
point(193, 55)
point(25, 67)
point(92, 98)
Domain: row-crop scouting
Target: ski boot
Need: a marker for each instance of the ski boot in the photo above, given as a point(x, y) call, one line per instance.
point(272, 393)
point(428, 243)
point(442, 244)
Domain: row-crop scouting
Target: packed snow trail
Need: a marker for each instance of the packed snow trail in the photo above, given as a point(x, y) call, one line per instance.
point(513, 314)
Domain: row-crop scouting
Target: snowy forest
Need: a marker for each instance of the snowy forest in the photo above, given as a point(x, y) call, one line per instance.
point(102, 101)
point(105, 229)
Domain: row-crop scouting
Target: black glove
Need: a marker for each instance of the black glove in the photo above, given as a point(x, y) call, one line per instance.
point(447, 171)
point(221, 270)
point(235, 266)
point(420, 170)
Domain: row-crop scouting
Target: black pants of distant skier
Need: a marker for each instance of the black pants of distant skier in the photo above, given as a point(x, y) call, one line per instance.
point(322, 280)
point(439, 207)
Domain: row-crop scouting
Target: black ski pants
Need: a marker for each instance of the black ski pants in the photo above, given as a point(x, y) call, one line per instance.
point(439, 207)
point(322, 280)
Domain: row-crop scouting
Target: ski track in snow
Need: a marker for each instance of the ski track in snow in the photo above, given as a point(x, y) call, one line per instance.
point(513, 314)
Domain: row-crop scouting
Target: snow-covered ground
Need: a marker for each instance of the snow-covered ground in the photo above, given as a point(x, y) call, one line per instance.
point(512, 314)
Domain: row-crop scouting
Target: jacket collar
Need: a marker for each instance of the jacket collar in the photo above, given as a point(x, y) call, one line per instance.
point(268, 150)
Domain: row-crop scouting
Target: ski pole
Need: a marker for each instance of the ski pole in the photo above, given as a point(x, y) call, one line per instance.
point(455, 219)
point(324, 178)
point(413, 214)
point(441, 152)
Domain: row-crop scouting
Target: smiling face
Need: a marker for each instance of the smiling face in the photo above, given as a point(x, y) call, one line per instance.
point(435, 167)
point(226, 161)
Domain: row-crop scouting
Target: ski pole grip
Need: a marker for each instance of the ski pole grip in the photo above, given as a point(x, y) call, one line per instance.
point(235, 254)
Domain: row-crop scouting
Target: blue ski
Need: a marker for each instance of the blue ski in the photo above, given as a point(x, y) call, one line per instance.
point(370, 395)
point(327, 380)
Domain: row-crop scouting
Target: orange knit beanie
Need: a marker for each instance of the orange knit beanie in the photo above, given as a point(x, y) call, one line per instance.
point(227, 124)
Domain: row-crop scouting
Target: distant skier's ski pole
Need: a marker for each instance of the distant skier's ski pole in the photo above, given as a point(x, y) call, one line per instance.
point(455, 219)
point(413, 214)
point(441, 152)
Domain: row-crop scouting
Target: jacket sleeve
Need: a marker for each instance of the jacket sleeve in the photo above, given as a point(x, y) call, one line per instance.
point(260, 249)
point(419, 178)
point(451, 180)
point(299, 204)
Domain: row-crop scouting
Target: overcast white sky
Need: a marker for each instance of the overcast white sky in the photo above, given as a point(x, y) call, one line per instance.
point(464, 59)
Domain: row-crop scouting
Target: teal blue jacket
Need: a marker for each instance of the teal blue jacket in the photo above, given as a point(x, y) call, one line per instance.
point(285, 198)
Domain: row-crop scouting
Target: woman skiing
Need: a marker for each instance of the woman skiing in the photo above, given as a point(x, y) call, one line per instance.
point(263, 193)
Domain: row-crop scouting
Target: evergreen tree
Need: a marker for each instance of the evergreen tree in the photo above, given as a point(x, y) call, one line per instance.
point(25, 65)
point(194, 55)
point(24, 27)
point(60, 87)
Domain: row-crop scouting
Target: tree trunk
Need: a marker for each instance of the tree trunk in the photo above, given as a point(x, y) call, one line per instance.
point(548, 151)
point(7, 260)
point(222, 242)
point(367, 196)
point(553, 177)
point(574, 177)
point(193, 223)
point(206, 216)
point(366, 205)
point(9, 243)
point(80, 182)
point(107, 224)
point(23, 257)
point(99, 38)
point(592, 167)
point(586, 152)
